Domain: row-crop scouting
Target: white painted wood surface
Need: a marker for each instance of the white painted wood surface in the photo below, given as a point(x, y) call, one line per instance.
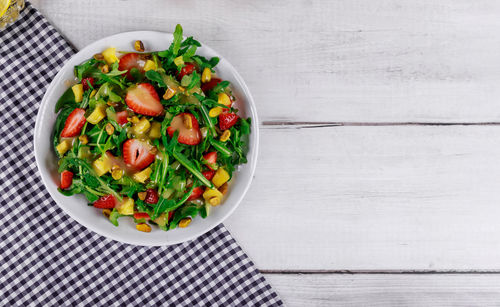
point(379, 194)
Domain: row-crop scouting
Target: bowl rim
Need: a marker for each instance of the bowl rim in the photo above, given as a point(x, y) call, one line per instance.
point(249, 104)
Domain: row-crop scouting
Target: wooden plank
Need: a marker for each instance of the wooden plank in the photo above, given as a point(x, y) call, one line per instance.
point(387, 290)
point(360, 60)
point(374, 198)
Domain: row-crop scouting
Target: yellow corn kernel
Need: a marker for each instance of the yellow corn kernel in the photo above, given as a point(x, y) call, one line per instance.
point(97, 115)
point(224, 99)
point(150, 65)
point(142, 126)
point(214, 201)
point(106, 212)
point(155, 131)
point(209, 193)
point(78, 92)
point(184, 222)
point(92, 94)
point(143, 175)
point(178, 61)
point(225, 136)
point(117, 174)
point(206, 75)
point(139, 46)
point(214, 112)
point(83, 139)
point(143, 227)
point(169, 93)
point(126, 207)
point(142, 195)
point(110, 129)
point(188, 123)
point(110, 55)
point(102, 165)
point(63, 147)
point(220, 177)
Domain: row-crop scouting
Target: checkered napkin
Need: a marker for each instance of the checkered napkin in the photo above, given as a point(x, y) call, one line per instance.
point(48, 259)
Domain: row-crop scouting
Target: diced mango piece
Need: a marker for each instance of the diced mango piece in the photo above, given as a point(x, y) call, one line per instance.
point(224, 99)
point(161, 220)
point(143, 175)
point(220, 177)
point(142, 126)
point(214, 112)
point(143, 227)
point(110, 55)
point(150, 65)
point(63, 147)
point(155, 131)
point(126, 207)
point(209, 193)
point(97, 115)
point(78, 92)
point(102, 165)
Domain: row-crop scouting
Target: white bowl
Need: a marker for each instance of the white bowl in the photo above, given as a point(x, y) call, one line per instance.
point(76, 206)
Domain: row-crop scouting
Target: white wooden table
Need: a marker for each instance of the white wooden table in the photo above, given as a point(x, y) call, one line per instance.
point(379, 172)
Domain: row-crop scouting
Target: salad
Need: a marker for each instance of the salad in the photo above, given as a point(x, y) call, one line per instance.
point(152, 136)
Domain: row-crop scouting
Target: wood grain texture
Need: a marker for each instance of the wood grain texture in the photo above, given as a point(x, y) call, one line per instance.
point(387, 290)
point(350, 61)
point(374, 198)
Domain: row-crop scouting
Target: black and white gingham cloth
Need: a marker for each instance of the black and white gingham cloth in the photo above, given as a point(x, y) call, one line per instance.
point(47, 259)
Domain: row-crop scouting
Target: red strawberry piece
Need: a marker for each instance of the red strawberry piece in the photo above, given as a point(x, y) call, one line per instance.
point(209, 174)
point(196, 193)
point(144, 100)
point(186, 70)
point(170, 214)
point(211, 159)
point(129, 61)
point(121, 117)
point(227, 120)
point(74, 123)
point(66, 179)
point(137, 154)
point(141, 215)
point(105, 202)
point(210, 84)
point(151, 196)
point(186, 136)
point(86, 81)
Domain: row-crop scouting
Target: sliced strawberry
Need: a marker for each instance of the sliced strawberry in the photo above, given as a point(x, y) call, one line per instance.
point(151, 197)
point(86, 84)
point(137, 154)
point(186, 70)
point(186, 136)
point(105, 202)
point(209, 174)
point(227, 120)
point(196, 193)
point(144, 100)
point(66, 179)
point(129, 61)
point(141, 215)
point(74, 123)
point(210, 159)
point(210, 84)
point(121, 117)
point(170, 214)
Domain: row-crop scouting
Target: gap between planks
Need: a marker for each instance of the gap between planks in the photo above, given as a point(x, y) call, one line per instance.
point(380, 272)
point(300, 125)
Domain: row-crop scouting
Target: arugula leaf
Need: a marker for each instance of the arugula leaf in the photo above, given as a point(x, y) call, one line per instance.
point(114, 71)
point(176, 44)
point(221, 147)
point(156, 77)
point(192, 168)
point(86, 68)
point(184, 212)
point(66, 100)
point(59, 125)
